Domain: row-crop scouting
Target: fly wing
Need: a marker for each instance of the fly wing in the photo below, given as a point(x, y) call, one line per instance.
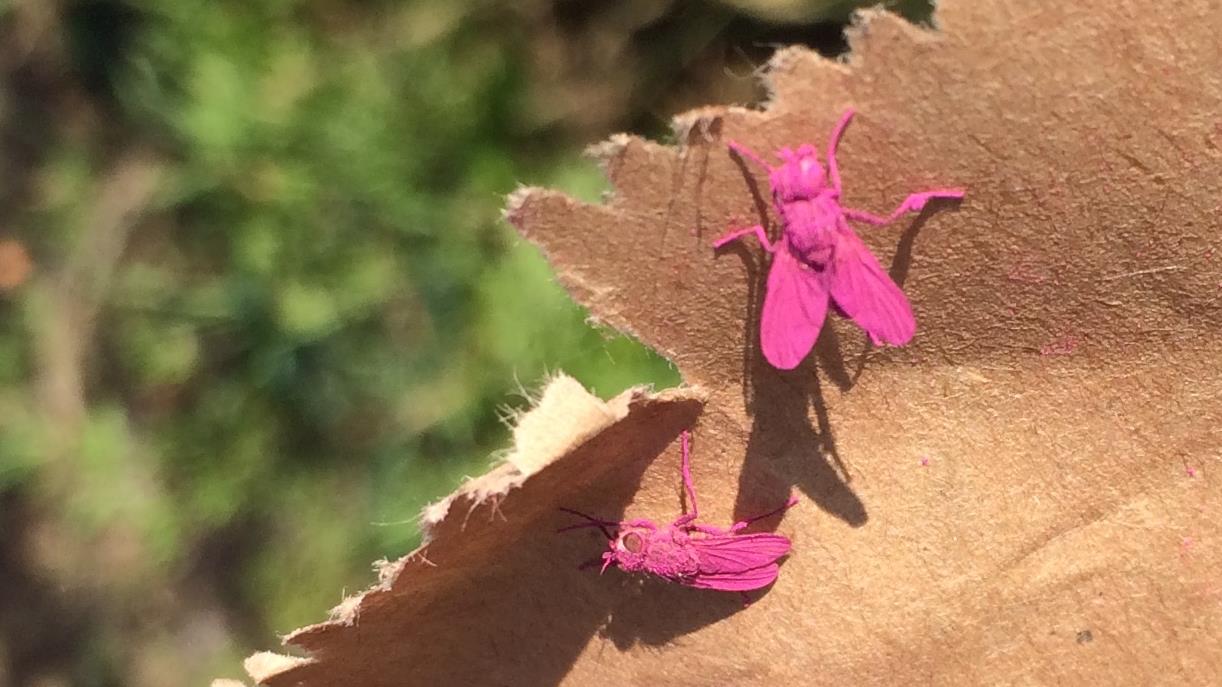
point(867, 294)
point(794, 307)
point(737, 562)
point(743, 581)
point(734, 553)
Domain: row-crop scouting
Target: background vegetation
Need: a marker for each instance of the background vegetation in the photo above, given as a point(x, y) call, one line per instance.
point(257, 306)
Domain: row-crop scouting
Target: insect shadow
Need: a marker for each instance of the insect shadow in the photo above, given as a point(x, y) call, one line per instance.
point(901, 265)
point(780, 400)
point(779, 403)
point(785, 448)
point(655, 612)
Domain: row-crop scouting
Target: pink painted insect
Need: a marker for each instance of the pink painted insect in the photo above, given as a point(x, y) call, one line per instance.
point(689, 553)
point(819, 258)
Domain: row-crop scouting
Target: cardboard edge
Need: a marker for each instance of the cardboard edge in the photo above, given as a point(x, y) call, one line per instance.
point(535, 446)
point(700, 126)
point(266, 665)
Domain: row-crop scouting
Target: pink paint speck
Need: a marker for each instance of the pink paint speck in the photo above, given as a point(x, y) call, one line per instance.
point(1064, 345)
point(1189, 470)
point(1186, 545)
point(924, 461)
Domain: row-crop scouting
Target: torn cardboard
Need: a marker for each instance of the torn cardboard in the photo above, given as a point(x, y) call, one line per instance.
point(495, 534)
point(1027, 494)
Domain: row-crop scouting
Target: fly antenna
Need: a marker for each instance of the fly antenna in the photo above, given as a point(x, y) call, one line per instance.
point(591, 521)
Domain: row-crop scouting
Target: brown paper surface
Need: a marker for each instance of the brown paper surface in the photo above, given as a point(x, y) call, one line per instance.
point(1029, 493)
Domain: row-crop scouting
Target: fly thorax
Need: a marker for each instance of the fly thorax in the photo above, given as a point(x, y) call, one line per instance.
point(810, 231)
point(674, 556)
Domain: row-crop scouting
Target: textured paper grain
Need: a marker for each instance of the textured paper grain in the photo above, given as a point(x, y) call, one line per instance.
point(1028, 494)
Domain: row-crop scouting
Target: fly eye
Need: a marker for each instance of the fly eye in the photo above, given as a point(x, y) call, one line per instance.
point(632, 542)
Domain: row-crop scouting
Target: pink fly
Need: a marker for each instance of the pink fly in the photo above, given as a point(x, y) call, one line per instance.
point(689, 553)
point(819, 257)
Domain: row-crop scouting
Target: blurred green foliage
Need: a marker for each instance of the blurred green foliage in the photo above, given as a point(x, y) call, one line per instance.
point(308, 330)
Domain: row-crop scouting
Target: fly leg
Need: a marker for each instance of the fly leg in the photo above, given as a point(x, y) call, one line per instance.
point(833, 171)
point(737, 234)
point(686, 469)
point(913, 203)
point(740, 526)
